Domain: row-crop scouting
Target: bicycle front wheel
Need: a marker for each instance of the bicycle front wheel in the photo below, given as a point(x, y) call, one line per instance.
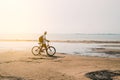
point(35, 50)
point(51, 51)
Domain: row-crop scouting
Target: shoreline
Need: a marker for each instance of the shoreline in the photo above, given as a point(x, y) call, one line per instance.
point(84, 48)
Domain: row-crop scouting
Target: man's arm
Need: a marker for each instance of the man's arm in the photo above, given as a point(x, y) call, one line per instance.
point(45, 38)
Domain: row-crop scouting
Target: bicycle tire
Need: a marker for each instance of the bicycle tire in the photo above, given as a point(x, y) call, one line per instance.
point(35, 50)
point(51, 51)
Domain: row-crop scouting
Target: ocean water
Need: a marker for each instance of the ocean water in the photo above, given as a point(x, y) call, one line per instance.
point(83, 49)
point(103, 37)
point(106, 37)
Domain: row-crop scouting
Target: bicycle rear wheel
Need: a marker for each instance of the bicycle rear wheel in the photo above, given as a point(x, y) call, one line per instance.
point(51, 51)
point(35, 50)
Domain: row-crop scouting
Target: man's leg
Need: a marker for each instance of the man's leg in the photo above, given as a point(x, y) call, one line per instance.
point(44, 45)
point(41, 49)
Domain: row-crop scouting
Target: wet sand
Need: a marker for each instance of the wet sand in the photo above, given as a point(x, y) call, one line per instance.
point(22, 65)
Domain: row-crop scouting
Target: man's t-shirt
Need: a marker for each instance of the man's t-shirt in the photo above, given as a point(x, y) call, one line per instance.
point(44, 39)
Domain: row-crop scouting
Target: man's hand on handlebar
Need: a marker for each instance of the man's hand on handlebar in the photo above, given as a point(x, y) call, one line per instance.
point(48, 41)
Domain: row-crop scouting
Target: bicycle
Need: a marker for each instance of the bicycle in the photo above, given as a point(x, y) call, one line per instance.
point(50, 50)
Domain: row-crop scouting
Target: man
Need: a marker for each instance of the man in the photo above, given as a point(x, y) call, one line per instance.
point(43, 40)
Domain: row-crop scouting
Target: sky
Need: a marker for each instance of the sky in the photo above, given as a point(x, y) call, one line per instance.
point(59, 16)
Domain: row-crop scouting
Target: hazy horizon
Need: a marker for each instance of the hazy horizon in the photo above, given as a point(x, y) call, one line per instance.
point(59, 37)
point(61, 33)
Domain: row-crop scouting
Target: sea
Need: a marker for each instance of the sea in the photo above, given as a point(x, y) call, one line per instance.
point(27, 41)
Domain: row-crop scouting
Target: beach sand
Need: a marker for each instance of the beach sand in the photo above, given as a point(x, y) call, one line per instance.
point(22, 65)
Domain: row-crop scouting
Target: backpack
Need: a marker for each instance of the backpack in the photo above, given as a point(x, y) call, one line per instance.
point(41, 39)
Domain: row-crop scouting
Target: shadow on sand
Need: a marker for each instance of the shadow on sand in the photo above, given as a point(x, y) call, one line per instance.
point(103, 75)
point(10, 78)
point(44, 57)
